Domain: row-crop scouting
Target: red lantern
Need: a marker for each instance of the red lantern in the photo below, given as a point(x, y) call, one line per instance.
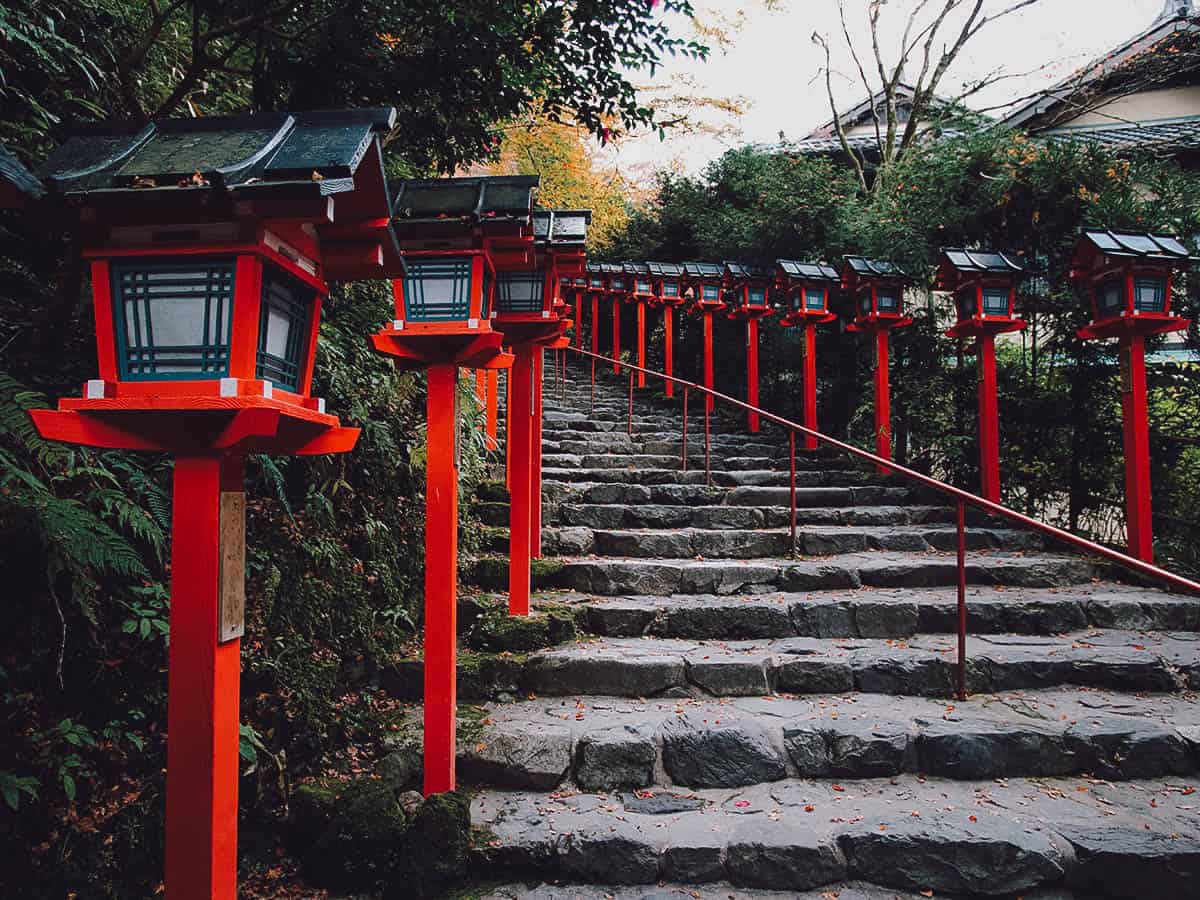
point(984, 285)
point(210, 243)
point(749, 289)
point(806, 288)
point(703, 283)
point(668, 288)
point(876, 287)
point(618, 290)
point(455, 234)
point(1128, 279)
point(642, 283)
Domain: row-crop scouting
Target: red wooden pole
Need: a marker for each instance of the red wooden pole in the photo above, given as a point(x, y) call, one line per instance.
point(481, 386)
point(792, 481)
point(520, 515)
point(203, 676)
point(441, 575)
point(685, 414)
point(579, 319)
point(535, 457)
point(668, 349)
point(708, 361)
point(961, 674)
point(493, 396)
point(616, 335)
point(810, 383)
point(989, 420)
point(1138, 522)
point(595, 323)
point(508, 402)
point(752, 421)
point(883, 399)
point(641, 337)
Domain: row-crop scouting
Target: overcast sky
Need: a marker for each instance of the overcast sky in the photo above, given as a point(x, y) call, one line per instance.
point(774, 65)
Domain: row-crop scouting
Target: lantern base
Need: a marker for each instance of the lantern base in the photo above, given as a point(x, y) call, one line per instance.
point(973, 328)
point(189, 425)
point(880, 323)
point(411, 350)
point(543, 332)
point(799, 319)
point(710, 306)
point(1131, 325)
point(745, 315)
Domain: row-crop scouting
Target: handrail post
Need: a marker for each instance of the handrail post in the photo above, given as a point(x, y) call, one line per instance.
point(685, 412)
point(962, 601)
point(593, 409)
point(792, 467)
point(707, 447)
point(630, 428)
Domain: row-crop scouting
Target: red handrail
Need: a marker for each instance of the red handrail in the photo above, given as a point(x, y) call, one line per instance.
point(961, 497)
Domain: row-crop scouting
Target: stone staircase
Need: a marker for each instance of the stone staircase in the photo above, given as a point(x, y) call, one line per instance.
point(730, 717)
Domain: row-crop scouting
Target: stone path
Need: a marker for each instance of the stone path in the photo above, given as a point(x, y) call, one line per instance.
point(729, 718)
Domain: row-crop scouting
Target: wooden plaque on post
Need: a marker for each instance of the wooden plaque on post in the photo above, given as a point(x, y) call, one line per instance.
point(232, 606)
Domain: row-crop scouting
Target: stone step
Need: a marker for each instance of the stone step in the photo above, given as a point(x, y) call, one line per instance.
point(674, 488)
point(890, 613)
point(606, 744)
point(923, 665)
point(629, 460)
point(653, 515)
point(665, 891)
point(934, 836)
point(664, 577)
point(730, 543)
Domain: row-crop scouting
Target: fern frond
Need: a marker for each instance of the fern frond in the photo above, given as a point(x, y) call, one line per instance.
point(15, 402)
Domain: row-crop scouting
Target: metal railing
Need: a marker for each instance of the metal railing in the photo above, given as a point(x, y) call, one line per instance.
point(961, 497)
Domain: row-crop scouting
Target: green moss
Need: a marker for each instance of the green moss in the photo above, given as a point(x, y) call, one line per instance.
point(362, 844)
point(492, 491)
point(497, 632)
point(436, 852)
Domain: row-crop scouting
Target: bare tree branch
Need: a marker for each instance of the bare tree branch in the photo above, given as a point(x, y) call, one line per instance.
point(861, 71)
point(859, 170)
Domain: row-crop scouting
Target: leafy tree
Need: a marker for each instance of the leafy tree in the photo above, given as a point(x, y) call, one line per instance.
point(1060, 415)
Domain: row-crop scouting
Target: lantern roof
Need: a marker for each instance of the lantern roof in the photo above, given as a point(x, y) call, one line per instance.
point(308, 152)
point(874, 268)
point(806, 271)
point(703, 271)
point(561, 227)
point(635, 268)
point(737, 272)
point(860, 268)
point(1137, 245)
point(665, 270)
point(958, 267)
point(296, 172)
point(612, 268)
point(982, 261)
point(466, 200)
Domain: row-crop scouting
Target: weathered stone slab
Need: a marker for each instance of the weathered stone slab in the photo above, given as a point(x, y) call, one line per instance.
point(720, 755)
point(618, 757)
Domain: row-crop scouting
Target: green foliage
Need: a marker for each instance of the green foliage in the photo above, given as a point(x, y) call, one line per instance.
point(1060, 407)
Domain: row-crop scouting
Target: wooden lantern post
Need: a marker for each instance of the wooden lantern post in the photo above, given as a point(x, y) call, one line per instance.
point(453, 232)
point(877, 288)
point(1129, 279)
point(618, 288)
point(984, 285)
point(806, 288)
point(207, 294)
point(531, 316)
point(641, 293)
point(669, 290)
point(748, 287)
point(703, 287)
point(597, 281)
